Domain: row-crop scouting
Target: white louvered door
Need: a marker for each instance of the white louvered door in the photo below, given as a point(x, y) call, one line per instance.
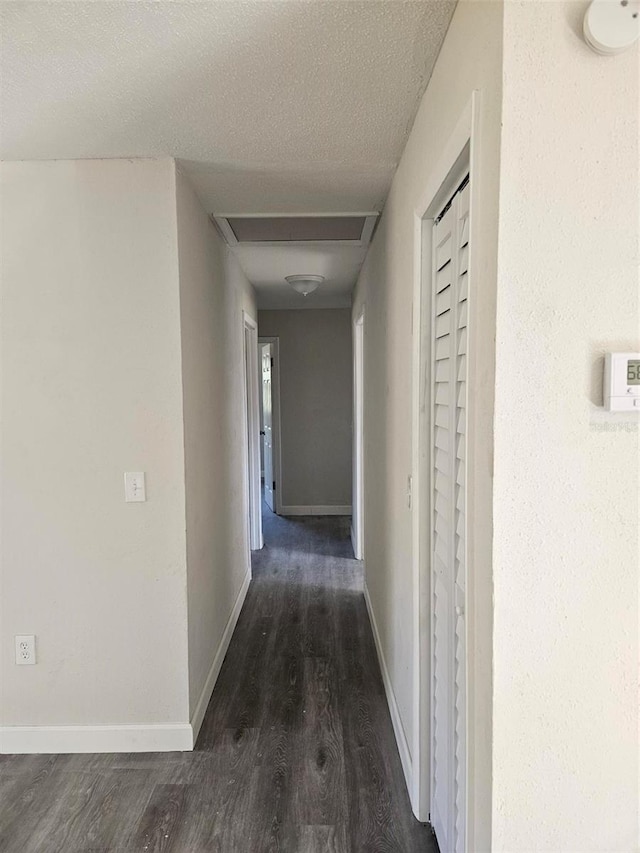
point(448, 533)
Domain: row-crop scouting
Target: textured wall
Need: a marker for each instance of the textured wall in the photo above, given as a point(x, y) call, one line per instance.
point(316, 380)
point(470, 59)
point(566, 474)
point(91, 388)
point(213, 293)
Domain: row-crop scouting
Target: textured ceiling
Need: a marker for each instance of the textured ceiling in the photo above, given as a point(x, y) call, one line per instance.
point(270, 106)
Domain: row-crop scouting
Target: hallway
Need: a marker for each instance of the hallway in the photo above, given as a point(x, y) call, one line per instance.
point(300, 706)
point(296, 753)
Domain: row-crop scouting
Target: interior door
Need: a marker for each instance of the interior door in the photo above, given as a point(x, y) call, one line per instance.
point(448, 533)
point(267, 409)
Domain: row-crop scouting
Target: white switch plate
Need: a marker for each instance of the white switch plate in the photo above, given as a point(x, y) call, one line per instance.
point(134, 486)
point(25, 649)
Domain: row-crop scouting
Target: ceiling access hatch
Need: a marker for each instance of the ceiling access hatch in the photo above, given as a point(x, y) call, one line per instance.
point(353, 229)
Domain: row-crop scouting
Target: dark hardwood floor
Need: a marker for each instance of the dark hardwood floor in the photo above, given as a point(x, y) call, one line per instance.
point(296, 752)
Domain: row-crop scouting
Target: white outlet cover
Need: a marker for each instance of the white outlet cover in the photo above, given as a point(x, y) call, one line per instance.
point(25, 649)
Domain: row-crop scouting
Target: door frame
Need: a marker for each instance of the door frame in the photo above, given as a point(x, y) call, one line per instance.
point(460, 153)
point(253, 497)
point(357, 517)
point(275, 425)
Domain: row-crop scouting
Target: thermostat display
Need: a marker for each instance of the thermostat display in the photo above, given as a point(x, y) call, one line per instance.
point(622, 381)
point(633, 371)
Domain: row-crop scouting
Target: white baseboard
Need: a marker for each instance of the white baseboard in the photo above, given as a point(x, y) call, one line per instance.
point(163, 737)
point(315, 510)
point(398, 728)
point(212, 677)
point(169, 737)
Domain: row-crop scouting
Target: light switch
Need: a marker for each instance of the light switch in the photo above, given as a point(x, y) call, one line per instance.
point(134, 487)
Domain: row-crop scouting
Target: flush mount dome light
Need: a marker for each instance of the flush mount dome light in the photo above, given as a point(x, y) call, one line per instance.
point(304, 284)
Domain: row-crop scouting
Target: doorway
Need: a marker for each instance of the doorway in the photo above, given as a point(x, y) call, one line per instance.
point(269, 349)
point(252, 422)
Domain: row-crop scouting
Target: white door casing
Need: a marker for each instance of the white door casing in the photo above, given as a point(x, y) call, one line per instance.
point(252, 427)
point(357, 519)
point(462, 154)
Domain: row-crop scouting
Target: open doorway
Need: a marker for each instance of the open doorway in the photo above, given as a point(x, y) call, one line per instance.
point(252, 421)
point(269, 359)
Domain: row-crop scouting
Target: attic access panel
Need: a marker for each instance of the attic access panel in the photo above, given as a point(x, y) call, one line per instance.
point(350, 229)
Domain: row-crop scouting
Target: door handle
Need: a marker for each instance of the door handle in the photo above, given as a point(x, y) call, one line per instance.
point(261, 432)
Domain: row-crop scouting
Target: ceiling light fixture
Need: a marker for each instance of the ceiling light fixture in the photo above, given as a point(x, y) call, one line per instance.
point(304, 284)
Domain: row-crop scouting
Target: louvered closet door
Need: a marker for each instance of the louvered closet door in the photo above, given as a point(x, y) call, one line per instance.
point(448, 535)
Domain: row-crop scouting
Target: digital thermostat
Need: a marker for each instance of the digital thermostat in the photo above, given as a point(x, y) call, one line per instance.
point(622, 381)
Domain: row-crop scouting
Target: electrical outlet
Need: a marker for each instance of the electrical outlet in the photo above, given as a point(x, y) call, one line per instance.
point(25, 649)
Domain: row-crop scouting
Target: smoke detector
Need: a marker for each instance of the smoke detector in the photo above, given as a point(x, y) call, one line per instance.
point(612, 26)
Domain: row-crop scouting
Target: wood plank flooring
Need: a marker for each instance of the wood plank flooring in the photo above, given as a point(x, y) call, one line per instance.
point(296, 752)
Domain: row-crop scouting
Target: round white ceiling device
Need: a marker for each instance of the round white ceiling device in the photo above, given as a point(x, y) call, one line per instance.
point(304, 284)
point(612, 26)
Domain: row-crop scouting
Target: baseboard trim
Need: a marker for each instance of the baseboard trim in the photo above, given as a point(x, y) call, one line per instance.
point(169, 737)
point(216, 666)
point(315, 510)
point(163, 737)
point(398, 728)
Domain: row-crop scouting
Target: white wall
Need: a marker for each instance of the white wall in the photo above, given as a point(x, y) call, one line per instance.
point(566, 474)
point(122, 349)
point(316, 404)
point(91, 388)
point(213, 294)
point(470, 59)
